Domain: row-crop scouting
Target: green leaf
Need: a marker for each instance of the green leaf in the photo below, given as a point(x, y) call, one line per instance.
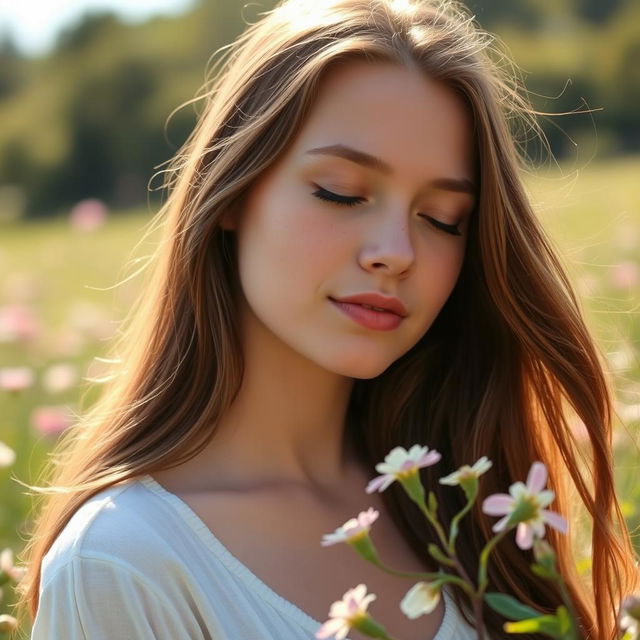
point(509, 607)
point(547, 625)
point(564, 619)
point(543, 572)
point(436, 553)
point(470, 487)
point(433, 502)
point(453, 531)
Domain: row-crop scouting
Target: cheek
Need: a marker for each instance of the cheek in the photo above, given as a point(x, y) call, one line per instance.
point(286, 243)
point(438, 276)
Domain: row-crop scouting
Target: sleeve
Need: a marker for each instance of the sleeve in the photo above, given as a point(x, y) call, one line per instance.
point(96, 599)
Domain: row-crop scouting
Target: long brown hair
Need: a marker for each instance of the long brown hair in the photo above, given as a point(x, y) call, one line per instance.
point(498, 374)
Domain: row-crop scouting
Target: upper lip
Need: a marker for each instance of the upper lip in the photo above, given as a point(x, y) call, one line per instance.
point(377, 300)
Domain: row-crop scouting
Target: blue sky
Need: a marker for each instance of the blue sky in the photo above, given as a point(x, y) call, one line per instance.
point(34, 24)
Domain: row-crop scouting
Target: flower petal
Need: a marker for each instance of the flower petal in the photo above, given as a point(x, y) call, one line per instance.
point(428, 459)
point(501, 524)
point(358, 592)
point(421, 599)
point(452, 479)
point(342, 634)
point(339, 609)
point(555, 520)
point(498, 504)
point(538, 528)
point(545, 498)
point(417, 452)
point(330, 628)
point(332, 538)
point(396, 457)
point(524, 536)
point(376, 483)
point(482, 465)
point(537, 477)
point(518, 490)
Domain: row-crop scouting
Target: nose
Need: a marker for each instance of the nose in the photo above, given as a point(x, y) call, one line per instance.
point(388, 248)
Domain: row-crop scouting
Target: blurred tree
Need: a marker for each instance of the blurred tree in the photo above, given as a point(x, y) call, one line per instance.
point(599, 10)
point(524, 13)
point(92, 119)
point(85, 31)
point(12, 66)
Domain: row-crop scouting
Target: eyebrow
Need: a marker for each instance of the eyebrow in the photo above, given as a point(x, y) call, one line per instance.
point(460, 185)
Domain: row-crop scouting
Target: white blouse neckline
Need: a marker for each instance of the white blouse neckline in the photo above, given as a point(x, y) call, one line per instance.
point(445, 630)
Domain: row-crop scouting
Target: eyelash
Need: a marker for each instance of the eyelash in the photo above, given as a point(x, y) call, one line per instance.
point(351, 201)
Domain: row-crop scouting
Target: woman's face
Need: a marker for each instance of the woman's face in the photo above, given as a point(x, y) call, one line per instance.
point(403, 234)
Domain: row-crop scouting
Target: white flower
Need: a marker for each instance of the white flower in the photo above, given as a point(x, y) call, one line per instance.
point(59, 377)
point(7, 456)
point(422, 598)
point(7, 623)
point(352, 528)
point(7, 566)
point(630, 617)
point(400, 463)
point(345, 613)
point(527, 502)
point(465, 472)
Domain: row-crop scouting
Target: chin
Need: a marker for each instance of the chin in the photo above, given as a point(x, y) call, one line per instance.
point(360, 368)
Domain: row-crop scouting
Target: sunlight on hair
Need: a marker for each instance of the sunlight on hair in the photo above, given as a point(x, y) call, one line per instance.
point(403, 6)
point(302, 14)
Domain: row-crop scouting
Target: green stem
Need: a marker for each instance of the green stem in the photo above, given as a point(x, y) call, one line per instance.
point(436, 525)
point(566, 598)
point(427, 576)
point(484, 557)
point(454, 525)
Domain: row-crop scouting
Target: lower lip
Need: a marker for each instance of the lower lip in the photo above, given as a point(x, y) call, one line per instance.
point(377, 320)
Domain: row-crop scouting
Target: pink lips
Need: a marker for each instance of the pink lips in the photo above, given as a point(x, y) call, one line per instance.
point(375, 299)
point(377, 320)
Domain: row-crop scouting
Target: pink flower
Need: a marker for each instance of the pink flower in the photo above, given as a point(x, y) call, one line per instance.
point(399, 464)
point(352, 528)
point(6, 566)
point(525, 506)
point(23, 287)
point(17, 324)
point(67, 342)
point(51, 421)
point(467, 473)
point(88, 214)
point(16, 378)
point(625, 275)
point(346, 613)
point(90, 320)
point(59, 377)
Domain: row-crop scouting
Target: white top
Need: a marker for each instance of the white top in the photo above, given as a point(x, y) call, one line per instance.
point(136, 563)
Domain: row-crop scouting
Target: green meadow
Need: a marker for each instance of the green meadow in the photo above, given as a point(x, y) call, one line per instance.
point(77, 285)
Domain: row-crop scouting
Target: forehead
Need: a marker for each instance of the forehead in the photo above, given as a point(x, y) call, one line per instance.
point(419, 126)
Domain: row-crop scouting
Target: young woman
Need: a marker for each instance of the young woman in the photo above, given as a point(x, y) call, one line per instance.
point(352, 154)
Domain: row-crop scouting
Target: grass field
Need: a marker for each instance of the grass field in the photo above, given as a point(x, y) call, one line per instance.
point(64, 279)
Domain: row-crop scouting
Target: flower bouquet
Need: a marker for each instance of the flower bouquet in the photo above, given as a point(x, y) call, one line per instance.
point(523, 509)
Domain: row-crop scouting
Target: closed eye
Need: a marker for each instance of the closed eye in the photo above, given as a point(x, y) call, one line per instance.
point(453, 229)
point(351, 201)
point(329, 196)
